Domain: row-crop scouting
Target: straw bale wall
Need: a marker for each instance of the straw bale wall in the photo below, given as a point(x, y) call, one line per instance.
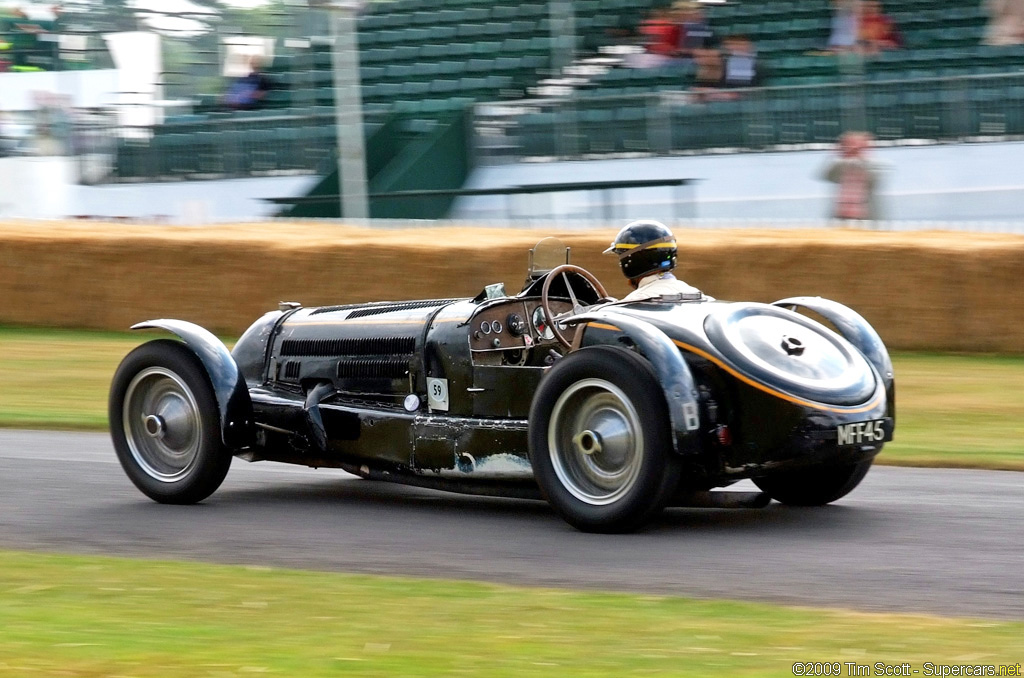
point(924, 290)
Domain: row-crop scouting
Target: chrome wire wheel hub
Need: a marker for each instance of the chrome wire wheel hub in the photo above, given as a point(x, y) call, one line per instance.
point(595, 442)
point(162, 424)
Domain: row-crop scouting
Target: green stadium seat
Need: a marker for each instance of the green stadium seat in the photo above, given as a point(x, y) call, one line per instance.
point(487, 48)
point(522, 27)
point(450, 68)
point(424, 18)
point(505, 64)
point(371, 73)
point(434, 51)
point(418, 35)
point(369, 56)
point(404, 53)
point(471, 31)
point(472, 86)
point(442, 33)
point(388, 90)
point(530, 11)
point(398, 72)
point(515, 46)
point(504, 13)
point(479, 66)
point(414, 90)
point(450, 16)
point(443, 87)
point(498, 82)
point(540, 44)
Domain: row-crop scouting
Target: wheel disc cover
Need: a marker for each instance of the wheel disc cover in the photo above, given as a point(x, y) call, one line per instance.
point(595, 441)
point(162, 425)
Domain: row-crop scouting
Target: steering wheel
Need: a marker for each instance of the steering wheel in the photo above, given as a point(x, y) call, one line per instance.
point(545, 301)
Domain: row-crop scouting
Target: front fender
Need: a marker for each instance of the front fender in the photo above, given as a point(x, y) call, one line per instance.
point(674, 374)
point(233, 402)
point(855, 329)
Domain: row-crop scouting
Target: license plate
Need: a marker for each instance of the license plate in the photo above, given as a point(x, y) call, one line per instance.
point(863, 432)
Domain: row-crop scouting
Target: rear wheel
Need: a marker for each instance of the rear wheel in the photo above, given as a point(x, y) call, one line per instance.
point(815, 486)
point(165, 424)
point(600, 441)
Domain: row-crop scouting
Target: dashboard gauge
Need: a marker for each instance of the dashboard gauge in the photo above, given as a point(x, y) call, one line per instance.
point(515, 324)
point(540, 323)
point(485, 327)
point(496, 326)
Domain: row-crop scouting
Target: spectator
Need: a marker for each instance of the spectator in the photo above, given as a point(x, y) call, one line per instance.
point(661, 37)
point(710, 73)
point(694, 31)
point(1006, 22)
point(845, 23)
point(740, 66)
point(856, 178)
point(248, 93)
point(877, 30)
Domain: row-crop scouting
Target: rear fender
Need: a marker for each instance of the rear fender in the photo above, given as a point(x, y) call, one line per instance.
point(673, 373)
point(855, 329)
point(233, 402)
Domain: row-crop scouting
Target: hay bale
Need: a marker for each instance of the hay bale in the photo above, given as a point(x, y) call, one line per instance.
point(924, 290)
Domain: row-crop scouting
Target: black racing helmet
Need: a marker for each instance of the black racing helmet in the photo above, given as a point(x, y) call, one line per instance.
point(644, 247)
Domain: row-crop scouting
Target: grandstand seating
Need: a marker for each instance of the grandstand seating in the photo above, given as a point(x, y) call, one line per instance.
point(422, 59)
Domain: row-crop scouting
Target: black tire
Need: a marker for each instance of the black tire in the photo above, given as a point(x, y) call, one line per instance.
point(815, 486)
point(165, 424)
point(610, 481)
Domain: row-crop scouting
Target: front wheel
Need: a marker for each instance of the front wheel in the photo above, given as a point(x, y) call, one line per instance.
point(600, 441)
point(814, 486)
point(165, 424)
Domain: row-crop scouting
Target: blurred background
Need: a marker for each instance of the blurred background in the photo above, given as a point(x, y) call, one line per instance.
point(585, 111)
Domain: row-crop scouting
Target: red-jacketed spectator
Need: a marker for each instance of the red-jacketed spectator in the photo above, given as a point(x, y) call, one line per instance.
point(661, 34)
point(877, 30)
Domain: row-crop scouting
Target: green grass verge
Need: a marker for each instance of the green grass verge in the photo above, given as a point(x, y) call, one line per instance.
point(59, 379)
point(952, 410)
point(962, 411)
point(91, 616)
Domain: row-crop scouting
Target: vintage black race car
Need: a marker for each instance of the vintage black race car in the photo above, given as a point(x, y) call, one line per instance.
point(609, 410)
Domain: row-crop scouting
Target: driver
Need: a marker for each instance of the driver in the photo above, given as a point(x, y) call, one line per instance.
point(647, 255)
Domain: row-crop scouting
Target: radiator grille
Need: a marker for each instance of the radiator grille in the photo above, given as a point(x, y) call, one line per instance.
point(373, 368)
point(291, 369)
point(335, 347)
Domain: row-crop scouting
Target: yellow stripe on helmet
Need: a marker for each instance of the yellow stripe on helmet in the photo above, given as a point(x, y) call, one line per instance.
point(625, 246)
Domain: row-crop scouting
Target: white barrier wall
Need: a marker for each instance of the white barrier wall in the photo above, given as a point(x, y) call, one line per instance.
point(84, 89)
point(945, 182)
point(939, 183)
point(36, 188)
point(47, 188)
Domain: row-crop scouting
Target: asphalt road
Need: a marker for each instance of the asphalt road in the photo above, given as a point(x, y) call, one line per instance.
point(908, 540)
